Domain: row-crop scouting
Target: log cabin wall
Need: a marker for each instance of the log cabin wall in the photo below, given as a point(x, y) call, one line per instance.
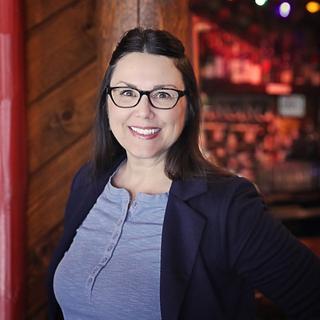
point(61, 60)
point(68, 43)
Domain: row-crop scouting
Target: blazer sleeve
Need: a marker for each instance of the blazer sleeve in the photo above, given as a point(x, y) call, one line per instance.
point(264, 252)
point(54, 311)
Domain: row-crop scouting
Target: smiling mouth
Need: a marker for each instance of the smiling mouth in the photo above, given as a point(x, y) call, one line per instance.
point(145, 132)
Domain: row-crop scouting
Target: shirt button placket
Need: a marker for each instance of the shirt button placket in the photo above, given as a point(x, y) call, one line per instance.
point(90, 280)
point(89, 285)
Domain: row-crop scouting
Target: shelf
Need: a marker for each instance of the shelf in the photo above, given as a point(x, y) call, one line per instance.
point(225, 87)
point(306, 198)
point(217, 87)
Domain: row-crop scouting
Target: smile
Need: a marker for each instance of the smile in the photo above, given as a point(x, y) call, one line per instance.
point(145, 132)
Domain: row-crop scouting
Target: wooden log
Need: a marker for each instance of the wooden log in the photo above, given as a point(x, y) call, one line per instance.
point(48, 191)
point(49, 188)
point(170, 15)
point(37, 11)
point(60, 48)
point(39, 257)
point(114, 18)
point(61, 117)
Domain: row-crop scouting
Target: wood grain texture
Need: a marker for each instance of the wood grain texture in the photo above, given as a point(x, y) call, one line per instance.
point(170, 15)
point(48, 192)
point(60, 48)
point(37, 11)
point(49, 188)
point(39, 257)
point(61, 117)
point(114, 18)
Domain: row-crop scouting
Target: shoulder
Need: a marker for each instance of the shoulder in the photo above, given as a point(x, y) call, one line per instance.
point(235, 213)
point(87, 177)
point(86, 188)
point(215, 188)
point(230, 202)
point(225, 198)
point(231, 182)
point(234, 188)
point(227, 189)
point(83, 176)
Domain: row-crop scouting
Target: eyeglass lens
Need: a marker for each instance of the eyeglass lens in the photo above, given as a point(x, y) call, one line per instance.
point(127, 97)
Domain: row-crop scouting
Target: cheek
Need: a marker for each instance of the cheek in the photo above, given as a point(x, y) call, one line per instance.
point(114, 115)
point(177, 123)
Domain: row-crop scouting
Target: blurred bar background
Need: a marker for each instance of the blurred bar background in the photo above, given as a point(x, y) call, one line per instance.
point(258, 67)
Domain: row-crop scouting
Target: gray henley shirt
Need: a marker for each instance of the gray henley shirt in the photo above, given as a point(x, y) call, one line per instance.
point(112, 269)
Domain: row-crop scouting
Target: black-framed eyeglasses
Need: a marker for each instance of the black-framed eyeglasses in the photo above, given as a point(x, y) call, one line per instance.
point(162, 98)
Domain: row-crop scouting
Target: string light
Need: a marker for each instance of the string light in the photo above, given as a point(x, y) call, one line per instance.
point(260, 2)
point(313, 6)
point(284, 9)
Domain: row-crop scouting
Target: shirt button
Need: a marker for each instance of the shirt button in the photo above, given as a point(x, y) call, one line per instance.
point(110, 248)
point(90, 280)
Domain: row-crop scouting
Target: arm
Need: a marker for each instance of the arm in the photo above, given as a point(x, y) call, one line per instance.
point(270, 258)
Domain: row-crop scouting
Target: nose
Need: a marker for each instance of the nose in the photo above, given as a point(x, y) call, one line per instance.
point(144, 109)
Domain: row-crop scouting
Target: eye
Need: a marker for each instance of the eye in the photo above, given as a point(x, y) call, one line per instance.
point(163, 94)
point(127, 92)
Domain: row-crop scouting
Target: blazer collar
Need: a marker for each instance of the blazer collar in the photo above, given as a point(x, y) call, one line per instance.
point(187, 189)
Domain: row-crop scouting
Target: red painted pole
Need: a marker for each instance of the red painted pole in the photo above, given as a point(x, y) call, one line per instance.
point(13, 169)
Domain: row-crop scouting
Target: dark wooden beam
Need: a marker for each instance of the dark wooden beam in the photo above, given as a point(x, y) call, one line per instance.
point(116, 17)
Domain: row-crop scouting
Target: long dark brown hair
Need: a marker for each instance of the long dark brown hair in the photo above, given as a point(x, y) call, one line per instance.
point(184, 158)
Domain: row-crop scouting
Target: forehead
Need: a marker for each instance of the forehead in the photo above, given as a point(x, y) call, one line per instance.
point(146, 70)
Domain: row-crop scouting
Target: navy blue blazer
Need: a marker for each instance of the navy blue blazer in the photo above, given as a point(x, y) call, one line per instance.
point(219, 243)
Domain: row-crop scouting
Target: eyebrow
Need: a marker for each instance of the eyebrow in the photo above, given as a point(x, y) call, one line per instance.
point(158, 86)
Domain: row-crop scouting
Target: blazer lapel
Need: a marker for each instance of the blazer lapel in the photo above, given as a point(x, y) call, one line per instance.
point(182, 231)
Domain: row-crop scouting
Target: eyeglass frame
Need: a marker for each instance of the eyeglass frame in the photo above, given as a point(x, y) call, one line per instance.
point(181, 93)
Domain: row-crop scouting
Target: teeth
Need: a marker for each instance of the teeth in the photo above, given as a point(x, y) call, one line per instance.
point(145, 131)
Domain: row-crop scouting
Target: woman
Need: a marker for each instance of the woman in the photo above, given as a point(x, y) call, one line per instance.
point(152, 230)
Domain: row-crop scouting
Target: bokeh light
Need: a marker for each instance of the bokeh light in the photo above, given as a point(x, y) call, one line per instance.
point(260, 2)
point(284, 9)
point(313, 6)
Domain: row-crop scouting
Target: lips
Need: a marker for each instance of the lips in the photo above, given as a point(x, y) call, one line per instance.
point(146, 133)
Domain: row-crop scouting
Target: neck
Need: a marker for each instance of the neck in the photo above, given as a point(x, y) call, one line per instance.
point(145, 176)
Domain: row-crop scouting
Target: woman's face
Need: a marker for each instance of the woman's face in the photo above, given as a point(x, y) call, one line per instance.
point(144, 131)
